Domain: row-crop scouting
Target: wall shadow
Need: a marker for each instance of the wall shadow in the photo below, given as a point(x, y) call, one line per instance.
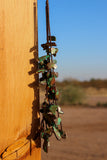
point(35, 126)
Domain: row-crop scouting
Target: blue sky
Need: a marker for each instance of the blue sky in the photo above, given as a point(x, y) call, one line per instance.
point(80, 27)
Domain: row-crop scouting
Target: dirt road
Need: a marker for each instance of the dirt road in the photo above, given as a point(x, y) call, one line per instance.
point(86, 136)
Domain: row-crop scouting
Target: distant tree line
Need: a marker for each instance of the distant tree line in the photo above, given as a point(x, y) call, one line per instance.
point(96, 83)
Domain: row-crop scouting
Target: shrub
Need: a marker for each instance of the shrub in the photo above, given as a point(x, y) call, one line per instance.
point(105, 104)
point(101, 104)
point(98, 104)
point(72, 95)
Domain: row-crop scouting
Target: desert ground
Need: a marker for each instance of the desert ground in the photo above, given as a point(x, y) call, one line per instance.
point(86, 129)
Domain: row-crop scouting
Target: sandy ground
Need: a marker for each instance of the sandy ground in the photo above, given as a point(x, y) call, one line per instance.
point(94, 100)
point(86, 136)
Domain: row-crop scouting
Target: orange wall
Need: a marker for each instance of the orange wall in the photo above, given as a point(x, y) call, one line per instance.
point(16, 39)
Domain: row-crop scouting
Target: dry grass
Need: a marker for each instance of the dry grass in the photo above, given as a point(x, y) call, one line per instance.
point(91, 91)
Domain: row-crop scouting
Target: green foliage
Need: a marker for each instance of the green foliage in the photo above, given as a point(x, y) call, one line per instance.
point(105, 104)
point(98, 104)
point(71, 95)
point(101, 104)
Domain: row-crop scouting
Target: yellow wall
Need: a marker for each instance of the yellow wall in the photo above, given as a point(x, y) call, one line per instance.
point(16, 39)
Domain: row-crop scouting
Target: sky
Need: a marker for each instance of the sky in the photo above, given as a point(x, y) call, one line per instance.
point(80, 27)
